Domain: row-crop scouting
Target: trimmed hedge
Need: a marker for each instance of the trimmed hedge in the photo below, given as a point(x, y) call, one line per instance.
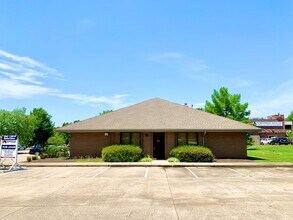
point(190, 153)
point(121, 153)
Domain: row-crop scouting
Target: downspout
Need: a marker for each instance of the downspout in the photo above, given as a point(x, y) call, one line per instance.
point(204, 134)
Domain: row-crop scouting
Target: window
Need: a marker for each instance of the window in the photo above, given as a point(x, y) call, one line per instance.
point(135, 139)
point(184, 138)
point(181, 139)
point(125, 138)
point(192, 138)
point(130, 138)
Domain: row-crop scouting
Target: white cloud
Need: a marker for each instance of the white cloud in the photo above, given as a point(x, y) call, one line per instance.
point(117, 101)
point(11, 88)
point(276, 100)
point(196, 69)
point(22, 78)
point(24, 68)
point(26, 63)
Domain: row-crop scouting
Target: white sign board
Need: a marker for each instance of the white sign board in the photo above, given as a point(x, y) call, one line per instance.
point(9, 144)
point(268, 123)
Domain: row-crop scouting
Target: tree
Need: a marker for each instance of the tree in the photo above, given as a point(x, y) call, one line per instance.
point(227, 105)
point(57, 139)
point(66, 136)
point(290, 117)
point(43, 126)
point(19, 123)
point(105, 112)
point(289, 134)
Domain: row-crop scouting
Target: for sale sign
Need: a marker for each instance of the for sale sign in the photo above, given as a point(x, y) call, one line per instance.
point(9, 146)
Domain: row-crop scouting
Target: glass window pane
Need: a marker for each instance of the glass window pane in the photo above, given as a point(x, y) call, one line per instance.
point(125, 138)
point(135, 139)
point(192, 138)
point(181, 138)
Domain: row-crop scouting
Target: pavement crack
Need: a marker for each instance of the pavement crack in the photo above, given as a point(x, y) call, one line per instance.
point(171, 194)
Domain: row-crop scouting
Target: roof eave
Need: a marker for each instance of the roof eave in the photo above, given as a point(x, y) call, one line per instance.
point(155, 130)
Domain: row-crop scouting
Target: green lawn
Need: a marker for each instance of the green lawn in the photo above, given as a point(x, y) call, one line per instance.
point(270, 153)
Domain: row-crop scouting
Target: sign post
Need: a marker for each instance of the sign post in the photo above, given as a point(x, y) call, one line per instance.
point(8, 150)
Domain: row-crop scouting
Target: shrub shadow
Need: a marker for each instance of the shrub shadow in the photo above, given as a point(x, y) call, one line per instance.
point(255, 158)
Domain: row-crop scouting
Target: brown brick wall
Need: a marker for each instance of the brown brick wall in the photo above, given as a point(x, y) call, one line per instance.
point(147, 143)
point(170, 142)
point(83, 144)
point(227, 144)
point(223, 145)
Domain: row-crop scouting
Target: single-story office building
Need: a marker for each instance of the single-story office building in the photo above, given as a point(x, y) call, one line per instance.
point(158, 126)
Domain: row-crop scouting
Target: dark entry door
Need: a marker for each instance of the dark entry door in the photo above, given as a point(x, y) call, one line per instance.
point(159, 145)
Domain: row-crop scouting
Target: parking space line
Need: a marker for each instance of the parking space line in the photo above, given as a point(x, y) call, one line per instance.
point(102, 171)
point(192, 173)
point(242, 174)
point(146, 172)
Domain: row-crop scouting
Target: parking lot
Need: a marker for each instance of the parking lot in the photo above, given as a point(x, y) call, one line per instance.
point(147, 193)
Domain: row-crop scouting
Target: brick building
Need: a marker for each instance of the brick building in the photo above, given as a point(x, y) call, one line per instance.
point(157, 126)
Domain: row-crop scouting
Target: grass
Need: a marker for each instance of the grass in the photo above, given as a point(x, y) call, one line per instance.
point(146, 159)
point(270, 153)
point(173, 160)
point(88, 160)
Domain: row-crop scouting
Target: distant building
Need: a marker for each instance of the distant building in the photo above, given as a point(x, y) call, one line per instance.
point(273, 126)
point(288, 125)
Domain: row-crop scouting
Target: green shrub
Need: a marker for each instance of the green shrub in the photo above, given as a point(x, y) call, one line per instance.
point(173, 159)
point(44, 155)
point(35, 157)
point(29, 158)
point(189, 153)
point(55, 152)
point(146, 159)
point(121, 153)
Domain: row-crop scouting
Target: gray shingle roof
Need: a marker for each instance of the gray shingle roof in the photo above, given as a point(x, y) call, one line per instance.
point(157, 115)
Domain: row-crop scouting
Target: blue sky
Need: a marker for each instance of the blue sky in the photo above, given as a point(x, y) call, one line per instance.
point(77, 58)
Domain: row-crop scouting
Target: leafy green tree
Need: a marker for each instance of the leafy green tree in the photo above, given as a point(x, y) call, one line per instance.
point(227, 105)
point(43, 126)
point(290, 117)
point(19, 123)
point(57, 139)
point(66, 136)
point(105, 112)
point(289, 134)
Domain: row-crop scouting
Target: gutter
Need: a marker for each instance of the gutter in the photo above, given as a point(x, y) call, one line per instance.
point(203, 135)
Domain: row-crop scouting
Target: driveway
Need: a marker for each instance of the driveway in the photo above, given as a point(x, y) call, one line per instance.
point(147, 193)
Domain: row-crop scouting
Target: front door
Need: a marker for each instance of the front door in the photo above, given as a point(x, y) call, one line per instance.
point(159, 145)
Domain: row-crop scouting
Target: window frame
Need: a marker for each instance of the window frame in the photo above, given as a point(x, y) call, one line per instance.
point(186, 135)
point(131, 143)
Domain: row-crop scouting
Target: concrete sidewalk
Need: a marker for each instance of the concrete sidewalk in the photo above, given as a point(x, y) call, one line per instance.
point(156, 163)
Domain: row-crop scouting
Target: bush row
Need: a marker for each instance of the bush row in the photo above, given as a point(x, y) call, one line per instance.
point(129, 153)
point(54, 152)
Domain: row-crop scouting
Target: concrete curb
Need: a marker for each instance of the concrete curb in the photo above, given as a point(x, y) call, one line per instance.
point(157, 164)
